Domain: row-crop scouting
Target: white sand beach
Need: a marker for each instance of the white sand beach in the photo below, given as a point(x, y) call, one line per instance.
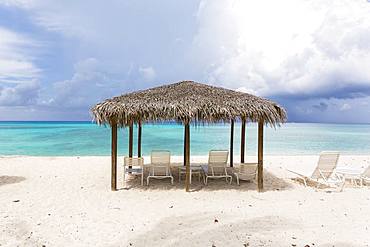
point(67, 201)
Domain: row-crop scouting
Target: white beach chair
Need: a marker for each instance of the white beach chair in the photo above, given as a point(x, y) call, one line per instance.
point(354, 175)
point(217, 166)
point(133, 166)
point(365, 176)
point(246, 171)
point(324, 172)
point(159, 167)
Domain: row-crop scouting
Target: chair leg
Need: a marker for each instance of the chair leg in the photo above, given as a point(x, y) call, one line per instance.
point(147, 181)
point(305, 183)
point(172, 180)
point(142, 178)
point(124, 177)
point(231, 179)
point(342, 186)
point(237, 180)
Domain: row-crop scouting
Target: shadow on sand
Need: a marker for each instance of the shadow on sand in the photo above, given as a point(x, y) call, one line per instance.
point(202, 230)
point(271, 183)
point(4, 180)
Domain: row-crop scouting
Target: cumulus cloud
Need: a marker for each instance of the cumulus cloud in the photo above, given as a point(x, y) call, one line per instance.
point(123, 33)
point(345, 107)
point(321, 106)
point(287, 48)
point(16, 59)
point(45, 13)
point(304, 53)
point(92, 82)
point(247, 90)
point(147, 73)
point(87, 85)
point(19, 95)
point(19, 75)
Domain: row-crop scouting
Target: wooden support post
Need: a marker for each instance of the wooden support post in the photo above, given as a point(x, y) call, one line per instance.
point(139, 140)
point(242, 142)
point(232, 144)
point(131, 140)
point(260, 156)
point(114, 158)
point(187, 156)
point(185, 146)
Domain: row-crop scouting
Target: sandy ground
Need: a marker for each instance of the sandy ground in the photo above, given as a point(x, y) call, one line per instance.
point(66, 201)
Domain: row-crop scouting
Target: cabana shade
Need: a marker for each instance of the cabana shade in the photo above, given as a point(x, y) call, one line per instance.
point(187, 101)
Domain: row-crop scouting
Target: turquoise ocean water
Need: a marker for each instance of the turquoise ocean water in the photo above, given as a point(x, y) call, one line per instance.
point(86, 138)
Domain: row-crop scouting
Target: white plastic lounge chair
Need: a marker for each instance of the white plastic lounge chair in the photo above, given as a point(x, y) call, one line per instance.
point(134, 166)
point(324, 172)
point(365, 176)
point(194, 170)
point(246, 171)
point(217, 166)
point(159, 167)
point(361, 176)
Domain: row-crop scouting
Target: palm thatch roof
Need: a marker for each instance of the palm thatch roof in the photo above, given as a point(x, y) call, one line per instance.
point(187, 101)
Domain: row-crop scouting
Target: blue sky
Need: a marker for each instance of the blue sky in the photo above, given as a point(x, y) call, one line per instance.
point(58, 58)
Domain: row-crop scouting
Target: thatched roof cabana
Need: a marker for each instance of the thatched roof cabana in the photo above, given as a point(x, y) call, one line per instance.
point(187, 102)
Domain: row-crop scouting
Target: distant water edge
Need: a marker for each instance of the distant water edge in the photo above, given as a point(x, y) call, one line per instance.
point(86, 138)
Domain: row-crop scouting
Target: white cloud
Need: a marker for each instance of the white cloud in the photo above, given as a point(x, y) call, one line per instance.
point(300, 48)
point(121, 33)
point(19, 75)
point(56, 16)
point(16, 60)
point(90, 83)
point(303, 52)
point(290, 47)
point(19, 95)
point(147, 73)
point(345, 107)
point(247, 90)
point(87, 84)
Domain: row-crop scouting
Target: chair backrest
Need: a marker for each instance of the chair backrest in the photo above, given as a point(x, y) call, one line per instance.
point(327, 163)
point(218, 157)
point(130, 161)
point(366, 172)
point(217, 162)
point(160, 162)
point(160, 157)
point(248, 168)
